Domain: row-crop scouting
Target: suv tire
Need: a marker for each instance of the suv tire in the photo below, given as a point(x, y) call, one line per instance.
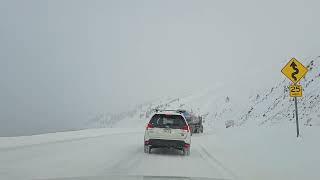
point(186, 152)
point(147, 149)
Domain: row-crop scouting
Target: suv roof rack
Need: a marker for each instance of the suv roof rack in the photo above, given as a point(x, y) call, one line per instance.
point(177, 110)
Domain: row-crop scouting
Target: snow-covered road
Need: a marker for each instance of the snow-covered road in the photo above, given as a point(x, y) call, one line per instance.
point(248, 153)
point(102, 153)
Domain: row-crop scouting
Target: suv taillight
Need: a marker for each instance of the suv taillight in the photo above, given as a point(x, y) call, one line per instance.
point(149, 126)
point(186, 127)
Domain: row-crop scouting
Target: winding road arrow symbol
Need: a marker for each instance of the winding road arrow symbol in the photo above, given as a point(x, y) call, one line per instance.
point(296, 70)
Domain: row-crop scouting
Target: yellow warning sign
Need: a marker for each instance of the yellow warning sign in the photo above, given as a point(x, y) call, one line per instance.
point(294, 70)
point(295, 90)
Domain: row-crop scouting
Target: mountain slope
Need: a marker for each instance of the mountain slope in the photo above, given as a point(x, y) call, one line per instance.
point(275, 106)
point(266, 107)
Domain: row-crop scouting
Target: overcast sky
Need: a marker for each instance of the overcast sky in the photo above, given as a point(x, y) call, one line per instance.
point(64, 61)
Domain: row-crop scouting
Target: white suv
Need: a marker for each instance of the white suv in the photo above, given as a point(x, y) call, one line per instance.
point(168, 129)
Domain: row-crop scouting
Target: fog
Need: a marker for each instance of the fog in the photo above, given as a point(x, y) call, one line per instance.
point(62, 62)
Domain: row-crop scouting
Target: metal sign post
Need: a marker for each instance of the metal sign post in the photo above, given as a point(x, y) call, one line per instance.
point(294, 71)
point(297, 119)
point(295, 91)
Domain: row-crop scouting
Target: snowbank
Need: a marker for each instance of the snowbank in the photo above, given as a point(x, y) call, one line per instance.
point(268, 152)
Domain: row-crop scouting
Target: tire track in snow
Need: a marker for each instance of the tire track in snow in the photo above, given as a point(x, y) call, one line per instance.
point(125, 165)
point(215, 162)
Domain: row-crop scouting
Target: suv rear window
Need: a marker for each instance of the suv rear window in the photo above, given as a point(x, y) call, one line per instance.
point(167, 121)
point(188, 116)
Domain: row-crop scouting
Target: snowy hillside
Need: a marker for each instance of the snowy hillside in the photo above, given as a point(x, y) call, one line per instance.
point(211, 104)
point(274, 106)
point(266, 107)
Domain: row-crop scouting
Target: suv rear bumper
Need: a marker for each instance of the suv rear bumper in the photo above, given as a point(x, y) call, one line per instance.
point(160, 143)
